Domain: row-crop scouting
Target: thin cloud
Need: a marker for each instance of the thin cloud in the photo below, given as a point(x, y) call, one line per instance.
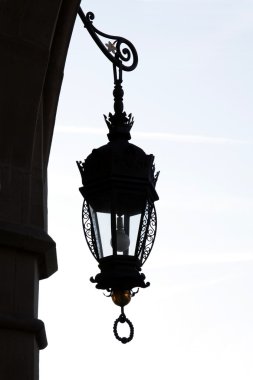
point(189, 139)
point(179, 259)
point(161, 136)
point(210, 258)
point(194, 285)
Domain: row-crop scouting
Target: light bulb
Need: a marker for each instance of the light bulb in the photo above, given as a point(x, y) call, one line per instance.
point(122, 239)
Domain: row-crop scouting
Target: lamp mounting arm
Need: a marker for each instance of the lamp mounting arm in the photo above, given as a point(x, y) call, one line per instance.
point(120, 52)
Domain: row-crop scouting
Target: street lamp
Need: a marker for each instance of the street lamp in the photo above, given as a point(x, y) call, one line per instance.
point(118, 215)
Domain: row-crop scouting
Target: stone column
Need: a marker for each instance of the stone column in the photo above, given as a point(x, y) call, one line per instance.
point(34, 39)
point(27, 255)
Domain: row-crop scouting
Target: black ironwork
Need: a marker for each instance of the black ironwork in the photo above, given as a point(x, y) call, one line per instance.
point(120, 52)
point(147, 233)
point(150, 234)
point(123, 58)
point(118, 180)
point(132, 292)
point(119, 124)
point(119, 272)
point(122, 319)
point(89, 230)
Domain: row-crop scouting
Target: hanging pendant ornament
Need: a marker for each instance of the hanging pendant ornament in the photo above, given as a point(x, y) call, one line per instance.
point(122, 319)
point(119, 179)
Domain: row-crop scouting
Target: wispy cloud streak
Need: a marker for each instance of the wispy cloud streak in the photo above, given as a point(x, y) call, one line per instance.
point(180, 259)
point(161, 136)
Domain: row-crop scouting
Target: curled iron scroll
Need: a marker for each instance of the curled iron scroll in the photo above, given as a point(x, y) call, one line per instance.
point(120, 52)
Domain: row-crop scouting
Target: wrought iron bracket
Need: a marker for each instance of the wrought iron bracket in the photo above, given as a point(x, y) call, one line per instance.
point(118, 50)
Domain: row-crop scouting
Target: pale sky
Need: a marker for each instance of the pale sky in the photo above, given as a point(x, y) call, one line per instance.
point(191, 97)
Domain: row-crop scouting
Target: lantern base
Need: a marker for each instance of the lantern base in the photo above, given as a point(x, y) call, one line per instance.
point(119, 272)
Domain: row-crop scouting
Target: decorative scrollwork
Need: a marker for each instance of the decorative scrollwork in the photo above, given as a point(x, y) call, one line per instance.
point(88, 230)
point(147, 232)
point(120, 52)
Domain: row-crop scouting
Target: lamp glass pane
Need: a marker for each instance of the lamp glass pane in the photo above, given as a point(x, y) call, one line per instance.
point(133, 233)
point(104, 222)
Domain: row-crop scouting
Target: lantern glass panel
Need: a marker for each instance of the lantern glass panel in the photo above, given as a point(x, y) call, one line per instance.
point(132, 235)
point(103, 239)
point(133, 232)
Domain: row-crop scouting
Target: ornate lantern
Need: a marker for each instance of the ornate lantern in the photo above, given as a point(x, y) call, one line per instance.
point(119, 217)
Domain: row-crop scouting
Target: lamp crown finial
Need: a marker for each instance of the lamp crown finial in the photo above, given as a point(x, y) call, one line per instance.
point(120, 123)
